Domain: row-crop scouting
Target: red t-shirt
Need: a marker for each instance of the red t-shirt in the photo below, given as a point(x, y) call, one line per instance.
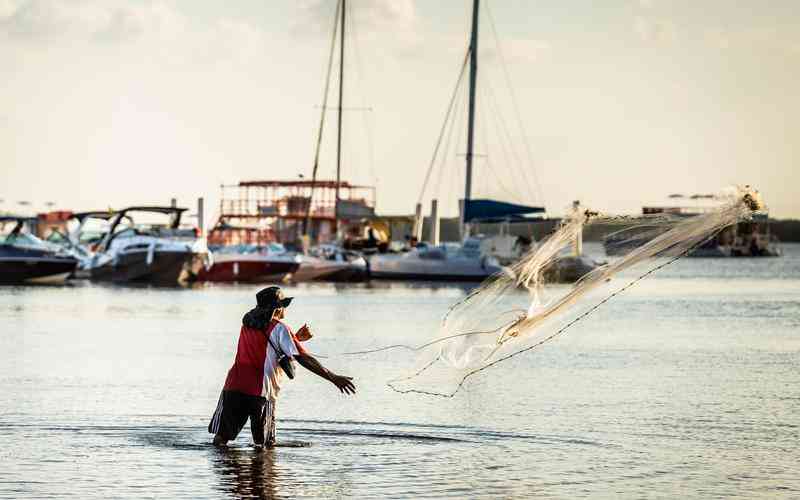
point(247, 373)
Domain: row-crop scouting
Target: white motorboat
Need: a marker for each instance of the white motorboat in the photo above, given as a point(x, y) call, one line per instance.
point(331, 263)
point(152, 253)
point(750, 238)
point(448, 262)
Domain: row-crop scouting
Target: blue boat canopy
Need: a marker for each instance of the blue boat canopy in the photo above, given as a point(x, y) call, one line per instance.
point(476, 210)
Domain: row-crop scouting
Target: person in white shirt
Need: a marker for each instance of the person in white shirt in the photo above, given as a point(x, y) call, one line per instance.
point(253, 382)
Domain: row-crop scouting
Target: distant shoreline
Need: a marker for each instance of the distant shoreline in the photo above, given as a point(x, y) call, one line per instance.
point(786, 230)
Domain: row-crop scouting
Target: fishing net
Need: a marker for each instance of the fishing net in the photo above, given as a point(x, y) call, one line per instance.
point(513, 312)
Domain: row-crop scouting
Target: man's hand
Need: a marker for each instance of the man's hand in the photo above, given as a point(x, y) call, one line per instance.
point(309, 362)
point(304, 333)
point(345, 384)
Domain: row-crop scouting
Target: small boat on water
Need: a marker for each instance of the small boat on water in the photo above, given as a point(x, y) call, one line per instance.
point(24, 258)
point(155, 253)
point(568, 269)
point(624, 240)
point(447, 262)
point(331, 263)
point(250, 263)
point(746, 239)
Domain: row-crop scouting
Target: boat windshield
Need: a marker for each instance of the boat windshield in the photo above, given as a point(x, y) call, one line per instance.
point(138, 222)
point(245, 248)
point(274, 248)
point(91, 231)
point(433, 253)
point(130, 230)
point(24, 240)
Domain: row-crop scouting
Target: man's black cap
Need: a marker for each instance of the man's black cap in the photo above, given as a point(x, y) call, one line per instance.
point(272, 298)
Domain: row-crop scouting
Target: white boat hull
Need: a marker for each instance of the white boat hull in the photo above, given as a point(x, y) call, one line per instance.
point(413, 268)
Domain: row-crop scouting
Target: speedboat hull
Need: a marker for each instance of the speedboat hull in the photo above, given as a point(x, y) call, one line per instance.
point(158, 268)
point(411, 268)
point(18, 266)
point(246, 268)
point(329, 271)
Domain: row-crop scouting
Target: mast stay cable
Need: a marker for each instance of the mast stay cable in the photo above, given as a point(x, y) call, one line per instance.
point(514, 195)
point(444, 126)
point(507, 143)
point(367, 115)
point(307, 221)
point(513, 96)
point(444, 157)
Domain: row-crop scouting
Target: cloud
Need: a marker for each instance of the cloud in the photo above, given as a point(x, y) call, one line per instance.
point(150, 31)
point(718, 39)
point(652, 30)
point(130, 23)
point(518, 50)
point(7, 8)
point(754, 38)
point(316, 16)
point(86, 20)
point(37, 20)
point(233, 40)
point(390, 24)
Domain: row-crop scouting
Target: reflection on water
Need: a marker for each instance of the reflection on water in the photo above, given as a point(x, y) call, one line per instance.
point(247, 473)
point(683, 386)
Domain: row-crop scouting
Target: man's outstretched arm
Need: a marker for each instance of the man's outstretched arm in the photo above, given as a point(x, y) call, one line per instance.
point(310, 363)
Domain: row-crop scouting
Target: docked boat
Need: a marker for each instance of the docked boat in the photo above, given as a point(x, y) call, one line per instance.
point(624, 240)
point(436, 263)
point(745, 239)
point(568, 269)
point(331, 263)
point(250, 263)
point(132, 252)
point(24, 258)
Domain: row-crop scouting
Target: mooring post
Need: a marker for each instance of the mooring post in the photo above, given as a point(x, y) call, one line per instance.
point(435, 222)
point(200, 221)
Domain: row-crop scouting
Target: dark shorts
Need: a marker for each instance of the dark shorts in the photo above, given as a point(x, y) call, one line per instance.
point(233, 410)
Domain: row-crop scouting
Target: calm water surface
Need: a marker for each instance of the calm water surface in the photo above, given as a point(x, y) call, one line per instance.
point(688, 384)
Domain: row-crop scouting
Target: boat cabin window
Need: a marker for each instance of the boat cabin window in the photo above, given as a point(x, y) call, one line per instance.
point(471, 248)
point(146, 223)
point(21, 240)
point(124, 232)
point(433, 253)
point(90, 231)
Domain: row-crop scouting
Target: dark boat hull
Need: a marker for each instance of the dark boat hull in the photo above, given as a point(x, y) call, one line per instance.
point(166, 268)
point(19, 266)
point(335, 272)
point(350, 275)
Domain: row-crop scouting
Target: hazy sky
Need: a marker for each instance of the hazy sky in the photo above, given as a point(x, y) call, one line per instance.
point(114, 102)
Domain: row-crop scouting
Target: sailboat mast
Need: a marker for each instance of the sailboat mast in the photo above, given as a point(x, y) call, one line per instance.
point(473, 76)
point(341, 94)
